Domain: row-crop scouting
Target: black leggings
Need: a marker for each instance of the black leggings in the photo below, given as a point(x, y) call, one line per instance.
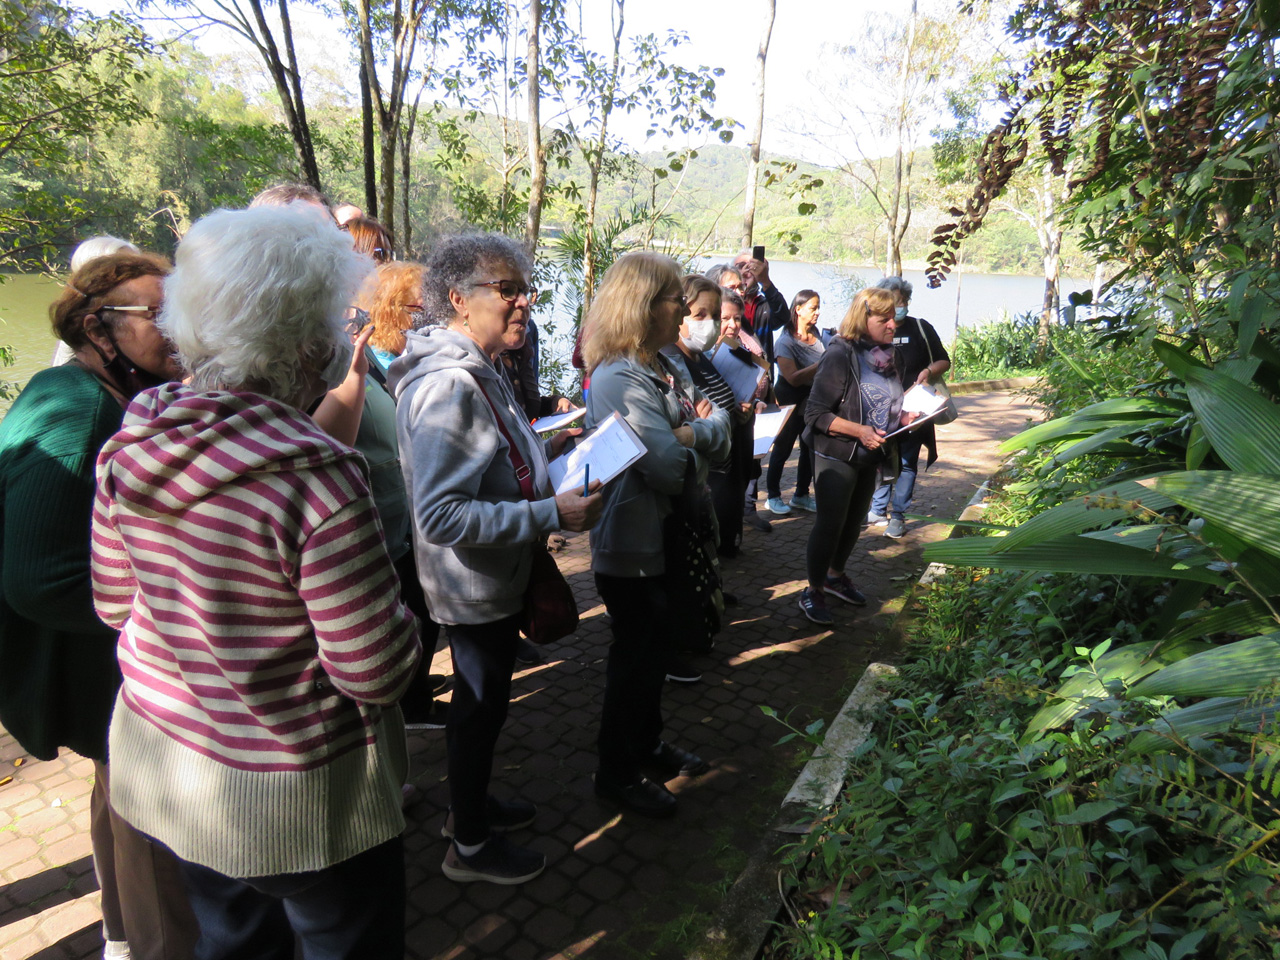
point(783, 444)
point(843, 493)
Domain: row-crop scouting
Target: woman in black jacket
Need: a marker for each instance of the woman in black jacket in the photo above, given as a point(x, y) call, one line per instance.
point(856, 400)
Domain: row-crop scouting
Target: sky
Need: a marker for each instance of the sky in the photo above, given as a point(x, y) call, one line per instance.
point(719, 34)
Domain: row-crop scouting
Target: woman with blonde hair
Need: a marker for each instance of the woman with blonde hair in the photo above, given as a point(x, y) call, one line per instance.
point(636, 313)
point(855, 401)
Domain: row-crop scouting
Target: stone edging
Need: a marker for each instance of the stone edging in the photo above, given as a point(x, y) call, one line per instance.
point(987, 386)
point(754, 902)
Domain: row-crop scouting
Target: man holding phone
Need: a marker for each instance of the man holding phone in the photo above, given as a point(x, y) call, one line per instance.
point(765, 308)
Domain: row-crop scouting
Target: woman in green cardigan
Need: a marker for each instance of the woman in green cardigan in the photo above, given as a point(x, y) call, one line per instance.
point(58, 671)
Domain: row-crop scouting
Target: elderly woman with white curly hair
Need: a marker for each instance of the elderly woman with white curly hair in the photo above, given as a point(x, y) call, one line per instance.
point(262, 640)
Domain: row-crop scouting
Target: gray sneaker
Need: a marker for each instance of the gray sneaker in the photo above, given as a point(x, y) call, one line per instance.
point(876, 519)
point(896, 528)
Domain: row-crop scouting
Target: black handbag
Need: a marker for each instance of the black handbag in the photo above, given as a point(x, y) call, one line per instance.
point(692, 575)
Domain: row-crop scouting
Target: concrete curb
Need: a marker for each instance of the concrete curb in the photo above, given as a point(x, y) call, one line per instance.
point(986, 386)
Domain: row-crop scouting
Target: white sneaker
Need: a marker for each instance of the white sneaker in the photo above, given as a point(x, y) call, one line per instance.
point(876, 519)
point(117, 950)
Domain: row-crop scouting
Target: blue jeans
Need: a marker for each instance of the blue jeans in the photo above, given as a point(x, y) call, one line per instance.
point(905, 485)
point(353, 910)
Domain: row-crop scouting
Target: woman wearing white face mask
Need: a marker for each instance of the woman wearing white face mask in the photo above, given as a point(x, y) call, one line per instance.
point(798, 350)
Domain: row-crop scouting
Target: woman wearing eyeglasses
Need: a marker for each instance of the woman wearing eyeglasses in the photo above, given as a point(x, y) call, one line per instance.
point(58, 671)
point(481, 501)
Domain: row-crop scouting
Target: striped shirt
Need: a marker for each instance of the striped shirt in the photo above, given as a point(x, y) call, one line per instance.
point(237, 548)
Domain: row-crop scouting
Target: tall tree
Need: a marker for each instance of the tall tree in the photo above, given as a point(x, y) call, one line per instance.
point(753, 163)
point(537, 154)
point(248, 19)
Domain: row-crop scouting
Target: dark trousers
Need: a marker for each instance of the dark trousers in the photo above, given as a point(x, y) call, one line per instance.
point(843, 494)
point(419, 695)
point(901, 489)
point(783, 444)
point(728, 487)
point(143, 898)
point(631, 722)
point(484, 655)
point(353, 910)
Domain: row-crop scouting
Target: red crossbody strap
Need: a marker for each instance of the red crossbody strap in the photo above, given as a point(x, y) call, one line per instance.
point(523, 474)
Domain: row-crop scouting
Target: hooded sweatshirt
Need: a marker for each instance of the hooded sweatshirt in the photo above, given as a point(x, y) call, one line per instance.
point(237, 548)
point(473, 528)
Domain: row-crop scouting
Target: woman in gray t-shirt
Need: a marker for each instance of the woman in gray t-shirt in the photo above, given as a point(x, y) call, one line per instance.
point(797, 351)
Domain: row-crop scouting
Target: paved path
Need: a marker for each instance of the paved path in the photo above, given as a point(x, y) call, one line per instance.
point(616, 886)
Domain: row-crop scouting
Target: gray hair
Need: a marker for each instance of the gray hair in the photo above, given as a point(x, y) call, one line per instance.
point(258, 298)
point(716, 274)
point(895, 285)
point(459, 263)
point(96, 247)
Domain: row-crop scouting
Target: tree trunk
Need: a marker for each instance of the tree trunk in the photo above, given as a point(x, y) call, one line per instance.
point(901, 160)
point(595, 161)
point(753, 162)
point(366, 138)
point(537, 155)
point(289, 88)
point(387, 177)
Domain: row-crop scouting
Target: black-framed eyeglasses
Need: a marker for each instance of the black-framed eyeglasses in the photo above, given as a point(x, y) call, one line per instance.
point(511, 290)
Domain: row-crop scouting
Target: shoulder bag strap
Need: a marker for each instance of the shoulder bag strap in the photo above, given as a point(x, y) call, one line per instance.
point(523, 474)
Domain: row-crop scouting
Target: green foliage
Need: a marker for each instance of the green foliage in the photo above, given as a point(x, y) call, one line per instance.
point(955, 838)
point(1008, 347)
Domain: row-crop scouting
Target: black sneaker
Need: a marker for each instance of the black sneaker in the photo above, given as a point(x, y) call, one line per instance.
point(498, 861)
point(644, 797)
point(678, 671)
point(528, 654)
point(432, 718)
point(672, 761)
point(842, 588)
point(757, 522)
point(503, 816)
point(814, 606)
point(439, 682)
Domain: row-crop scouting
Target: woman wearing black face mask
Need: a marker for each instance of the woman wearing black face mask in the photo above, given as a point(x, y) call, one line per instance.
point(58, 672)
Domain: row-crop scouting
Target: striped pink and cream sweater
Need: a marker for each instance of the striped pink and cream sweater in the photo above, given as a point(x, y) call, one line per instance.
point(237, 548)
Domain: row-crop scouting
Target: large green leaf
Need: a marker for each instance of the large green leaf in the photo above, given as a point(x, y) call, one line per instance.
point(1104, 441)
point(1242, 425)
point(1127, 664)
point(1207, 718)
point(1083, 513)
point(1241, 617)
point(1097, 416)
point(1232, 670)
point(1246, 505)
point(1066, 555)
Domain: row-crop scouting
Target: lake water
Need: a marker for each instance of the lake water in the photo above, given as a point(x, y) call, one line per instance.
point(966, 299)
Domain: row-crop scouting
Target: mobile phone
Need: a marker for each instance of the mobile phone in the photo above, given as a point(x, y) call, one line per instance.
point(757, 253)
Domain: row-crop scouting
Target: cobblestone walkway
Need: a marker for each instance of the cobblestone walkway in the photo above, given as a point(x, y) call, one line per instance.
point(616, 886)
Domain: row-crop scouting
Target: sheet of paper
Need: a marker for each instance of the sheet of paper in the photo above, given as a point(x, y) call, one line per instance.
point(743, 378)
point(919, 421)
point(557, 421)
point(609, 449)
point(767, 426)
point(922, 399)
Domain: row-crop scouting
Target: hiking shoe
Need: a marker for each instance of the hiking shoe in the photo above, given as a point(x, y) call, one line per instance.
point(843, 588)
point(896, 528)
point(432, 718)
point(815, 607)
point(644, 797)
point(876, 519)
point(672, 761)
point(776, 505)
point(805, 502)
point(754, 520)
point(503, 816)
point(498, 861)
point(679, 671)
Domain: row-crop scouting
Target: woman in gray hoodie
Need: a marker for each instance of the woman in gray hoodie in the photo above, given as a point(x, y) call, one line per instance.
point(481, 500)
point(635, 314)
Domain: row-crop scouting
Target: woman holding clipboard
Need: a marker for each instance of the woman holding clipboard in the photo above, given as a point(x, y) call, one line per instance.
point(855, 402)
